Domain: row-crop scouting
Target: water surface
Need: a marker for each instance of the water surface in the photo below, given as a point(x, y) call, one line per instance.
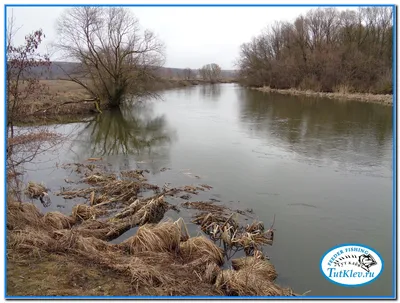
point(322, 167)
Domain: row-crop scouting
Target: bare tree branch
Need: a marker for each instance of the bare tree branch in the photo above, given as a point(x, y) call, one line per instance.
point(115, 57)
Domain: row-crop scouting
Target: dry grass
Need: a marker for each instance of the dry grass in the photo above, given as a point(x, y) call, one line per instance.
point(233, 236)
point(30, 241)
point(72, 240)
point(201, 249)
point(245, 283)
point(153, 211)
point(211, 273)
point(21, 215)
point(35, 190)
point(255, 227)
point(251, 241)
point(163, 274)
point(105, 187)
point(163, 237)
point(134, 174)
point(155, 261)
point(342, 93)
point(82, 212)
point(99, 178)
point(63, 90)
point(160, 259)
point(63, 97)
point(57, 220)
point(64, 275)
point(204, 206)
point(59, 98)
point(258, 266)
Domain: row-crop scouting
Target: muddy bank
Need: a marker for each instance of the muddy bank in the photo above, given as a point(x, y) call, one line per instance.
point(371, 98)
point(60, 254)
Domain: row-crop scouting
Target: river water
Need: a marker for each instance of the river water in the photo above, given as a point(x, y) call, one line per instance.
point(322, 167)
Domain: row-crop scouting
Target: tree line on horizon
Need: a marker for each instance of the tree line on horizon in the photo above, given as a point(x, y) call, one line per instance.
point(325, 50)
point(209, 72)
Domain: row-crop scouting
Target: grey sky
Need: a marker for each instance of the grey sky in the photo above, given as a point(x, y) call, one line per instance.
point(194, 36)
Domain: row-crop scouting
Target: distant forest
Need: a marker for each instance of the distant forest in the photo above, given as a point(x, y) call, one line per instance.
point(57, 71)
point(324, 50)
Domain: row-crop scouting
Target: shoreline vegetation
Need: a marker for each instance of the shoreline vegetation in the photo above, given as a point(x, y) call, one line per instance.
point(77, 254)
point(345, 53)
point(67, 100)
point(344, 96)
point(63, 98)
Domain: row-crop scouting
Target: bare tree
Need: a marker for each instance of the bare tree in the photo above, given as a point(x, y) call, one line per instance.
point(187, 73)
point(210, 72)
point(116, 58)
point(23, 87)
point(323, 50)
point(22, 76)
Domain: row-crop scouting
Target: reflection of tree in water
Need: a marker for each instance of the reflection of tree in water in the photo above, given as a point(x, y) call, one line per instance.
point(132, 130)
point(319, 128)
point(210, 91)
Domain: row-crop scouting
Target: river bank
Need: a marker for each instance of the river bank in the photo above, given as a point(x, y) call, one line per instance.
point(63, 98)
point(380, 99)
point(55, 254)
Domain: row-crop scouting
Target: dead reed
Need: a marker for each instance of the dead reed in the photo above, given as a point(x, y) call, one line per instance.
point(161, 258)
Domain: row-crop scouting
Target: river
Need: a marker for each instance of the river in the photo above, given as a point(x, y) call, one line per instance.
point(322, 167)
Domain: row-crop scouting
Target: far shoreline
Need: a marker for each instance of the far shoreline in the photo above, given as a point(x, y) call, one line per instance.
point(386, 100)
point(65, 98)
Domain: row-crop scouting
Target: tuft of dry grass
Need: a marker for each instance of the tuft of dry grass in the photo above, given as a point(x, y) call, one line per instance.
point(234, 237)
point(162, 274)
point(201, 249)
point(72, 240)
point(30, 241)
point(258, 266)
point(57, 220)
point(255, 227)
point(163, 237)
point(82, 212)
point(153, 211)
point(251, 241)
point(211, 273)
point(35, 190)
point(134, 174)
point(20, 215)
point(99, 178)
point(204, 206)
point(245, 283)
point(145, 269)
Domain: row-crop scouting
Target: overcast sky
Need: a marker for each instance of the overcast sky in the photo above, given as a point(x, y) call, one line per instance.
point(194, 36)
